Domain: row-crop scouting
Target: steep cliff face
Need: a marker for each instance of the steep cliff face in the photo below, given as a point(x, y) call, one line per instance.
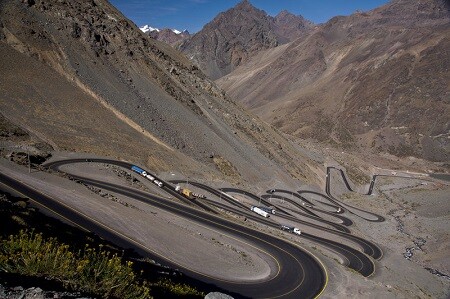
point(84, 78)
point(234, 36)
point(377, 80)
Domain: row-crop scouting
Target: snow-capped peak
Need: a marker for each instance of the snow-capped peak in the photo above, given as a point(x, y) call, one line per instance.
point(147, 28)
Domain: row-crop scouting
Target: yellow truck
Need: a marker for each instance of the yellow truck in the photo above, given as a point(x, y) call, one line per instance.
point(188, 193)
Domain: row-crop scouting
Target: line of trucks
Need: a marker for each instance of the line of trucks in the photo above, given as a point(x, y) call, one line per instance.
point(263, 211)
point(146, 175)
point(183, 191)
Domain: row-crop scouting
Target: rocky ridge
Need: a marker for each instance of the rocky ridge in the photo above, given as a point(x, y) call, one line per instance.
point(376, 79)
point(237, 34)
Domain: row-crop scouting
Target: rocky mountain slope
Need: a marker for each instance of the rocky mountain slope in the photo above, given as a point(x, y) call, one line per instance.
point(239, 33)
point(377, 80)
point(81, 77)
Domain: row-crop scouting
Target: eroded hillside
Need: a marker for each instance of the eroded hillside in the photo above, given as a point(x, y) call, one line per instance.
point(84, 78)
point(375, 80)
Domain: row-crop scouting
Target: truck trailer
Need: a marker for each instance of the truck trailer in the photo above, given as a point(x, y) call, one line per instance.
point(259, 211)
point(267, 210)
point(139, 170)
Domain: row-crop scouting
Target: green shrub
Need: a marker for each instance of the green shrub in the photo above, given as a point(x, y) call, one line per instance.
point(177, 289)
point(29, 254)
point(89, 270)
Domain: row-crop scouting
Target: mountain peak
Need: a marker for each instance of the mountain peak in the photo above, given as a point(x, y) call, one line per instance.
point(246, 6)
point(244, 3)
point(371, 51)
point(147, 28)
point(230, 39)
point(239, 33)
point(288, 26)
point(284, 13)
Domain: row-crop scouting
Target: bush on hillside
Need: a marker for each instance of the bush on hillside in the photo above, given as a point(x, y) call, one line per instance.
point(97, 272)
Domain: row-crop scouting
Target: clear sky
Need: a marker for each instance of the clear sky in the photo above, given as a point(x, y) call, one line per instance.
point(194, 14)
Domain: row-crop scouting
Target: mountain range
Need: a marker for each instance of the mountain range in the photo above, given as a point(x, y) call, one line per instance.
point(80, 77)
point(236, 35)
point(375, 80)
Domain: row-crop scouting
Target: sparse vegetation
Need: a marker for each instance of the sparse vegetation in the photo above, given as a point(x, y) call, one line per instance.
point(167, 288)
point(226, 168)
point(92, 271)
point(34, 245)
point(402, 150)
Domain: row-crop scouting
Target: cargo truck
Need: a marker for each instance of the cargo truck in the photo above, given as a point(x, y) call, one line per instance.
point(259, 211)
point(297, 231)
point(158, 183)
point(188, 193)
point(268, 210)
point(139, 170)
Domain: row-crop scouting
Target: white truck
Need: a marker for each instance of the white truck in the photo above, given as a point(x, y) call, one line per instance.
point(259, 211)
point(268, 210)
point(158, 183)
point(297, 231)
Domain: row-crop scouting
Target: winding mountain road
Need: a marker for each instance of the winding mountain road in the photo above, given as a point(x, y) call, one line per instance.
point(298, 274)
